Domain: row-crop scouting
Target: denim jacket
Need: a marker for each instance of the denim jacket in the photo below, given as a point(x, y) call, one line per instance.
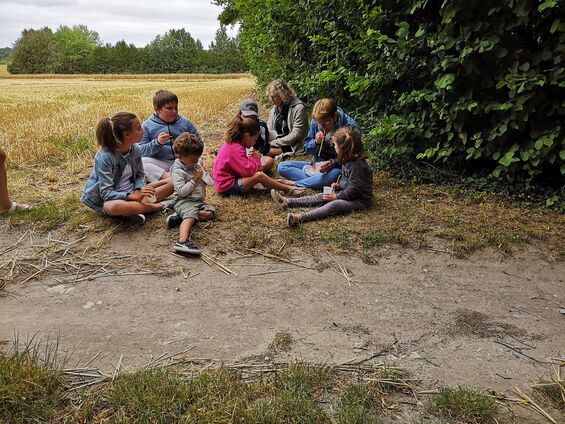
point(106, 174)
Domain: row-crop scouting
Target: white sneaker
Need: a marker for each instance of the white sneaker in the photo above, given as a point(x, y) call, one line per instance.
point(136, 219)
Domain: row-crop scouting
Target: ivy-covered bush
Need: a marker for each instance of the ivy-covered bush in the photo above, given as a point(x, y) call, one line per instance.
point(476, 87)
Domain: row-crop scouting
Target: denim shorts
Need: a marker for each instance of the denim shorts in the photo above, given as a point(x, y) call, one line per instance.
point(236, 190)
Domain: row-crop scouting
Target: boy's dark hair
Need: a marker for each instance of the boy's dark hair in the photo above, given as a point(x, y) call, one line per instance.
point(163, 97)
point(188, 144)
point(349, 141)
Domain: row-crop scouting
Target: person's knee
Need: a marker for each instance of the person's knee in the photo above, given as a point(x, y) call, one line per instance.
point(260, 175)
point(206, 215)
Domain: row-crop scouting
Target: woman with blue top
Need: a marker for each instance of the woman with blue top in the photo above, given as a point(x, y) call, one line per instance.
point(324, 169)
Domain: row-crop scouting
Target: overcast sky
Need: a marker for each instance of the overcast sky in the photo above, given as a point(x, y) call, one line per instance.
point(136, 21)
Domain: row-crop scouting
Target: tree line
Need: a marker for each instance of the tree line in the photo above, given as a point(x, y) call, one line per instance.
point(460, 86)
point(77, 49)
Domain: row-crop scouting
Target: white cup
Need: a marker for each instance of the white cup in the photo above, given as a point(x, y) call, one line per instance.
point(151, 198)
point(249, 151)
point(328, 190)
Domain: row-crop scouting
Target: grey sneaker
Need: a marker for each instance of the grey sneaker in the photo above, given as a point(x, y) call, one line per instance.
point(173, 220)
point(169, 205)
point(187, 247)
point(136, 219)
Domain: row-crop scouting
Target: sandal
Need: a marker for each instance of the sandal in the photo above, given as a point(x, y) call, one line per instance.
point(293, 219)
point(16, 207)
point(295, 191)
point(279, 199)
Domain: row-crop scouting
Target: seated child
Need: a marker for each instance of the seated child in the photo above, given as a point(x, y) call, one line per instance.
point(160, 130)
point(116, 186)
point(250, 108)
point(235, 173)
point(324, 168)
point(354, 189)
point(190, 189)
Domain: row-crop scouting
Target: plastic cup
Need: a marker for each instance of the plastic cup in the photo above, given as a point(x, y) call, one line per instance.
point(151, 198)
point(328, 190)
point(249, 151)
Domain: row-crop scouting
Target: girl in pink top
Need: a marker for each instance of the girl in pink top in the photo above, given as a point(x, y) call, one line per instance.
point(236, 173)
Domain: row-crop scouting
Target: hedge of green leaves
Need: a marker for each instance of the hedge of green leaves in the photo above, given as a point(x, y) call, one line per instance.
point(475, 86)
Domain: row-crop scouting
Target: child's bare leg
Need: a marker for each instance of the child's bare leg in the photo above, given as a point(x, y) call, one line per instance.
point(185, 229)
point(125, 208)
point(267, 181)
point(205, 215)
point(163, 188)
point(268, 163)
point(274, 151)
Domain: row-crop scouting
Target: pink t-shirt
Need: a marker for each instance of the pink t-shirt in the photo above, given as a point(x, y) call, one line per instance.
point(232, 163)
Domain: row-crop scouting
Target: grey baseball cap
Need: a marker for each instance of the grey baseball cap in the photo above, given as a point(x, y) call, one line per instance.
point(249, 107)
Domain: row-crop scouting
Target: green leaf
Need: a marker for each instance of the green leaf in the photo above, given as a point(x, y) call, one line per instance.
point(562, 154)
point(547, 4)
point(507, 159)
point(539, 143)
point(444, 81)
point(421, 31)
point(524, 67)
point(554, 26)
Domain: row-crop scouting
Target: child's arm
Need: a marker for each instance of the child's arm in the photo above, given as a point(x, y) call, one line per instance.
point(310, 145)
point(140, 174)
point(242, 165)
point(182, 187)
point(105, 171)
point(149, 147)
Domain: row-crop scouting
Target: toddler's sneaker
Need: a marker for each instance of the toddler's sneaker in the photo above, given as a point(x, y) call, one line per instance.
point(281, 201)
point(293, 219)
point(136, 219)
point(187, 247)
point(173, 220)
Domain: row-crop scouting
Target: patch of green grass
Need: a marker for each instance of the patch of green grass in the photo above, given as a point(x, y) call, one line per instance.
point(78, 145)
point(338, 236)
point(358, 405)
point(54, 213)
point(148, 396)
point(463, 405)
point(29, 390)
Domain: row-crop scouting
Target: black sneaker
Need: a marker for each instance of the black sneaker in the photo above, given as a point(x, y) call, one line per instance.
point(136, 219)
point(187, 247)
point(173, 220)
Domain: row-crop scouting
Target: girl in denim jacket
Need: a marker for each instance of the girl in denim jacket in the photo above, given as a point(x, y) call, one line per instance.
point(116, 186)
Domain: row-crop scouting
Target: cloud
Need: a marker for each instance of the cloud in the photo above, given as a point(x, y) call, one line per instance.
point(135, 21)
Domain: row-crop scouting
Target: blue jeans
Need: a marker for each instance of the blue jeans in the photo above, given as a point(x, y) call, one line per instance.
point(293, 170)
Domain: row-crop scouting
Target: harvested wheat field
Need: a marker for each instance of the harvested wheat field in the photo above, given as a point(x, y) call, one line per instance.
point(454, 287)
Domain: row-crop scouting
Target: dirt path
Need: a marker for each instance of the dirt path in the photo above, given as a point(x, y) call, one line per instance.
point(437, 316)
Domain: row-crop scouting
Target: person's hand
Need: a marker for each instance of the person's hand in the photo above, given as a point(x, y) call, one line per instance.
point(326, 166)
point(198, 175)
point(336, 186)
point(329, 197)
point(257, 154)
point(319, 137)
point(163, 138)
